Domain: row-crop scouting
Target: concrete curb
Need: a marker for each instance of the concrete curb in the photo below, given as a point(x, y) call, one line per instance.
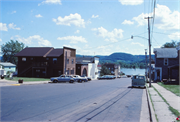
point(151, 109)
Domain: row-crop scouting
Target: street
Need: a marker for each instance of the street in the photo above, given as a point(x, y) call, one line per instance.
point(97, 100)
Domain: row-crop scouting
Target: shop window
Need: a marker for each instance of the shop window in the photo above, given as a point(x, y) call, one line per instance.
point(72, 71)
point(72, 61)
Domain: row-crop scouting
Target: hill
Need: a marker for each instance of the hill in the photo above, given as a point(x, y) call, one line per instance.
point(120, 57)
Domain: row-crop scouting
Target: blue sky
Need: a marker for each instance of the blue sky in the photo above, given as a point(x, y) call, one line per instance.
point(92, 27)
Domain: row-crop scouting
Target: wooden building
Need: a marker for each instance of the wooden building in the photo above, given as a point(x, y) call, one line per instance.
point(46, 62)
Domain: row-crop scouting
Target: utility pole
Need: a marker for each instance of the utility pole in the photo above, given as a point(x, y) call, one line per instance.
point(146, 63)
point(149, 51)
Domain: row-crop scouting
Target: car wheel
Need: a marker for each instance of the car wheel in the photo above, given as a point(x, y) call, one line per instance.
point(54, 81)
point(71, 81)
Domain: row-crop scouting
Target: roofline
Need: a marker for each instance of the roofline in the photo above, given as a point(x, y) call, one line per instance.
point(68, 48)
point(48, 52)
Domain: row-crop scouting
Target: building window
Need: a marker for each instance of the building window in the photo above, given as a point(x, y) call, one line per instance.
point(47, 58)
point(72, 61)
point(72, 71)
point(67, 71)
point(67, 61)
point(166, 61)
point(54, 60)
point(23, 59)
point(37, 70)
point(31, 58)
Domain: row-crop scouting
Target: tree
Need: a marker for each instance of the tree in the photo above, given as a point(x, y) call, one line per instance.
point(104, 70)
point(172, 44)
point(10, 49)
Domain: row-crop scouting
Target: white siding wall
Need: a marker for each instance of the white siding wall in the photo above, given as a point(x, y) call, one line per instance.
point(93, 69)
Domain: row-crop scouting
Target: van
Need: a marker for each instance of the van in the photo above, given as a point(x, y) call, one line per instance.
point(138, 81)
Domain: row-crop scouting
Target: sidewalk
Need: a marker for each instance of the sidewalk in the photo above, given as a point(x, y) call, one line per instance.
point(4, 82)
point(160, 107)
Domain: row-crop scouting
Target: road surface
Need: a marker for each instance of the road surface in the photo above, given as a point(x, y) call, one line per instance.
point(97, 100)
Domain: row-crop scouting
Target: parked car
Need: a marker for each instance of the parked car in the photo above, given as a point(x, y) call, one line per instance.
point(124, 76)
point(63, 78)
point(118, 76)
point(106, 77)
point(138, 81)
point(80, 79)
point(89, 78)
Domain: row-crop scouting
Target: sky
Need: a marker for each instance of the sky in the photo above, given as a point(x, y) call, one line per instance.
point(92, 27)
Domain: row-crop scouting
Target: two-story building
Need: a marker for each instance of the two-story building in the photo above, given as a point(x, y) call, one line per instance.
point(166, 64)
point(114, 68)
point(87, 66)
point(46, 61)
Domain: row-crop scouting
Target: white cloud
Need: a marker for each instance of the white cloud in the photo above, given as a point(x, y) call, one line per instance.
point(140, 19)
point(95, 16)
point(131, 2)
point(0, 40)
point(174, 36)
point(3, 27)
point(73, 39)
point(39, 15)
point(77, 31)
point(165, 19)
point(72, 19)
point(128, 22)
point(116, 33)
point(137, 43)
point(50, 2)
point(36, 40)
point(111, 40)
point(13, 12)
point(13, 26)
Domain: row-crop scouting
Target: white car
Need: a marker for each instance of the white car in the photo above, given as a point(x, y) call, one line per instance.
point(80, 79)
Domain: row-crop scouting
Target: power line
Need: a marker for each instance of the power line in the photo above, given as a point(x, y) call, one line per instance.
point(165, 33)
point(114, 42)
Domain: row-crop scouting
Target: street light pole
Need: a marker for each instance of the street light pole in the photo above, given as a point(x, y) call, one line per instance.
point(149, 51)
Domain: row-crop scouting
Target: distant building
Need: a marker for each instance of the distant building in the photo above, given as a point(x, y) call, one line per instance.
point(46, 61)
point(87, 66)
point(166, 64)
point(7, 66)
point(114, 68)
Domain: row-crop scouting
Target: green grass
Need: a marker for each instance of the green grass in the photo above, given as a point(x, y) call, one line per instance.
point(152, 103)
point(173, 88)
point(174, 111)
point(26, 79)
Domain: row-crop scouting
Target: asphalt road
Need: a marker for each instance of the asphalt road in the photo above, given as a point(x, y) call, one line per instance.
point(98, 100)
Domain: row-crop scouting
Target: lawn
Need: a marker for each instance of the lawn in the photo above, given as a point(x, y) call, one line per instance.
point(173, 88)
point(26, 79)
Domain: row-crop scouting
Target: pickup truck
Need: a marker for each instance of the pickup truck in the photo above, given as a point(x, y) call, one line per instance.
point(63, 78)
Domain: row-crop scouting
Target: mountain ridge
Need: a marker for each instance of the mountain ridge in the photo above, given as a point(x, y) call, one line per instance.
point(119, 57)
